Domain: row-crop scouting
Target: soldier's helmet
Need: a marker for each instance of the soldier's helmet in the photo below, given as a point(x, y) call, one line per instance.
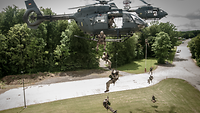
point(101, 32)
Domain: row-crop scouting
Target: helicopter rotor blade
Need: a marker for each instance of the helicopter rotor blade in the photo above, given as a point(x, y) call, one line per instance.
point(82, 6)
point(144, 2)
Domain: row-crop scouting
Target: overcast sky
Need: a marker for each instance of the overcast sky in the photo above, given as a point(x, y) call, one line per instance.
point(185, 14)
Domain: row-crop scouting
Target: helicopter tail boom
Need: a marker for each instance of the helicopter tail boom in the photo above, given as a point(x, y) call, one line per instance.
point(32, 9)
point(33, 17)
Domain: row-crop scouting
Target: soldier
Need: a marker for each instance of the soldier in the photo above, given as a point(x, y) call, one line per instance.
point(106, 104)
point(101, 40)
point(150, 70)
point(150, 79)
point(105, 57)
point(114, 77)
point(153, 99)
point(111, 21)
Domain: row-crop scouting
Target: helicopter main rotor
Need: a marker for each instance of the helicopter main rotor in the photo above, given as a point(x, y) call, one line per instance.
point(100, 2)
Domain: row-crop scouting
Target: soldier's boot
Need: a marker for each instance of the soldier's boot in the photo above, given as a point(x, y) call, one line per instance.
point(115, 111)
point(106, 91)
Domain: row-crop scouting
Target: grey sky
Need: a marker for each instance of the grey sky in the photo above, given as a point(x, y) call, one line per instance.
point(185, 14)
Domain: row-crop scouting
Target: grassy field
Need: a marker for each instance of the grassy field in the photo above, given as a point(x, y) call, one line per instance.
point(173, 96)
point(138, 66)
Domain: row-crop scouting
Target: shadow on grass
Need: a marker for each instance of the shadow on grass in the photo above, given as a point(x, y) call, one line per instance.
point(131, 66)
point(21, 110)
point(154, 106)
point(172, 108)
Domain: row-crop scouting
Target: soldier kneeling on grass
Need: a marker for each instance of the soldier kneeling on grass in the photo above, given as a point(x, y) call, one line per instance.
point(113, 78)
point(153, 99)
point(106, 104)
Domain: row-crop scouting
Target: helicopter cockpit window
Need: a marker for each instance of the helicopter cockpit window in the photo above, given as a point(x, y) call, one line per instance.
point(137, 19)
point(101, 18)
point(127, 18)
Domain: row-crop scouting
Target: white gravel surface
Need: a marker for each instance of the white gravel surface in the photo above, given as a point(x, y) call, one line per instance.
point(183, 68)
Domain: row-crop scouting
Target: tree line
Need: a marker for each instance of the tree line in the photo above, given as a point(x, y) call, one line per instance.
point(194, 46)
point(52, 46)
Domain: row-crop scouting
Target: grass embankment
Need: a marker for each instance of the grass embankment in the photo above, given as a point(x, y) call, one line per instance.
point(138, 66)
point(173, 96)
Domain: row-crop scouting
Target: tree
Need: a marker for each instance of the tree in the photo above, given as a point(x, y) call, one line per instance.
point(122, 53)
point(9, 17)
point(75, 53)
point(161, 46)
point(194, 45)
point(4, 69)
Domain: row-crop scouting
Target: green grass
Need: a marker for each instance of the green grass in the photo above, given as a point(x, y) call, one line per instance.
point(138, 66)
point(173, 96)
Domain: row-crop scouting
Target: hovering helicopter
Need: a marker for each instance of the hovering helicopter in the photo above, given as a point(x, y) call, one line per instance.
point(91, 19)
point(149, 12)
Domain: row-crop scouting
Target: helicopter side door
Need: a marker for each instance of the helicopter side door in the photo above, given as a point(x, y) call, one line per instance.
point(100, 22)
point(128, 21)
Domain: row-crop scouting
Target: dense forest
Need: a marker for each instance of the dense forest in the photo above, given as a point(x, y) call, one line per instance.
point(52, 47)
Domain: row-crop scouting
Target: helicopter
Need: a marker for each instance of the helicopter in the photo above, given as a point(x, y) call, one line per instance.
point(149, 12)
point(91, 19)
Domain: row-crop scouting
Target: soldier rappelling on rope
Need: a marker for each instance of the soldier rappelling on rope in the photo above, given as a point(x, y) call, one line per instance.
point(101, 40)
point(151, 77)
point(113, 78)
point(107, 104)
point(105, 57)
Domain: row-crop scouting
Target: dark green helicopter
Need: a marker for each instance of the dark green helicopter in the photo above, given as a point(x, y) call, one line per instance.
point(91, 19)
point(149, 12)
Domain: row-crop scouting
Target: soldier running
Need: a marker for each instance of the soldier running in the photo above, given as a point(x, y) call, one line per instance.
point(105, 57)
point(114, 77)
point(101, 40)
point(106, 104)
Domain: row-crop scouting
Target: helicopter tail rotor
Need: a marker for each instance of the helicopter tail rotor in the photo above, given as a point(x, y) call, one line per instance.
point(32, 14)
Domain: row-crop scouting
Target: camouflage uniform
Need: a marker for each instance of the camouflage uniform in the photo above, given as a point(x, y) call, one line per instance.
point(111, 21)
point(106, 59)
point(114, 77)
point(106, 104)
point(151, 77)
point(150, 71)
point(101, 40)
point(153, 99)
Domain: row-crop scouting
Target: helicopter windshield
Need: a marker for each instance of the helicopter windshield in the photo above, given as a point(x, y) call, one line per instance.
point(127, 18)
point(137, 19)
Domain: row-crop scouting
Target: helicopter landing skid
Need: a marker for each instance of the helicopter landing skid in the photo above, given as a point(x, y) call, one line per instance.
point(107, 40)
